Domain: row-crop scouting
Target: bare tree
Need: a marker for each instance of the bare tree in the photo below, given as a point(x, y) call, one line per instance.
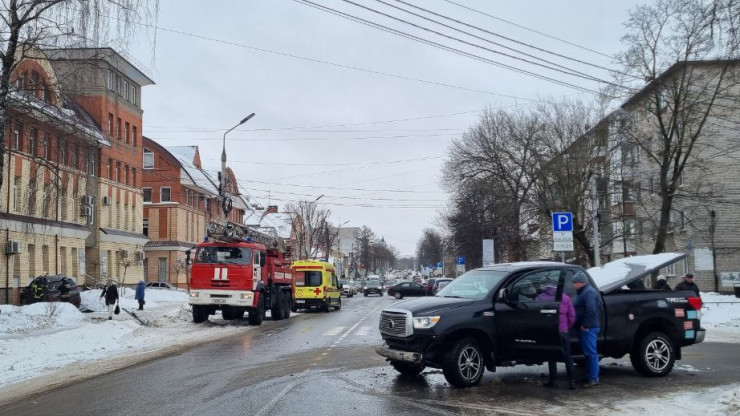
point(311, 228)
point(430, 248)
point(686, 51)
point(26, 26)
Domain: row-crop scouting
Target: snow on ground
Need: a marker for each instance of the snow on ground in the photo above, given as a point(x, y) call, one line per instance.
point(715, 401)
point(721, 317)
point(42, 338)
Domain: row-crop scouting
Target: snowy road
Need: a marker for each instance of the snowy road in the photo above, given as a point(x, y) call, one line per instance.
point(322, 363)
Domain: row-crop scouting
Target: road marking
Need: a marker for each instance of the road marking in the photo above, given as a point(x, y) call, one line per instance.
point(275, 399)
point(334, 331)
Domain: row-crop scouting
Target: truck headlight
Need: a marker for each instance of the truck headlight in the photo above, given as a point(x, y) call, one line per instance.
point(194, 294)
point(425, 322)
point(247, 295)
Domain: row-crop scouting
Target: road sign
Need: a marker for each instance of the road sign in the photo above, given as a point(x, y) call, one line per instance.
point(439, 264)
point(562, 221)
point(562, 246)
point(488, 253)
point(461, 260)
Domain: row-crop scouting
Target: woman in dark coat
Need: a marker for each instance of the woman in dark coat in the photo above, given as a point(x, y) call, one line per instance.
point(140, 288)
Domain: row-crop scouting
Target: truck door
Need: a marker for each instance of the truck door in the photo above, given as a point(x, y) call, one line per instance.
point(527, 320)
point(256, 268)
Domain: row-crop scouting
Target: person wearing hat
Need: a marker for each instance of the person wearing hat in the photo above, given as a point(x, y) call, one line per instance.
point(688, 284)
point(588, 325)
point(662, 283)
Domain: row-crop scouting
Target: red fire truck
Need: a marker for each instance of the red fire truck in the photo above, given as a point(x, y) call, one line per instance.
point(237, 274)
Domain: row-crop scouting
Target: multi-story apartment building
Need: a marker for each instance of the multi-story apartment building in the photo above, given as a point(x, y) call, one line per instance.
point(180, 200)
point(704, 219)
point(64, 208)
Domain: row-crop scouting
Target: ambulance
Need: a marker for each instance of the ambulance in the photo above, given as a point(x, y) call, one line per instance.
point(315, 285)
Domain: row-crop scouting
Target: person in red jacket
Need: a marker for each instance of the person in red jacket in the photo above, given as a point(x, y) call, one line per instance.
point(566, 319)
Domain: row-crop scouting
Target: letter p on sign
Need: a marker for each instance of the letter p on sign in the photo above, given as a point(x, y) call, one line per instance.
point(562, 221)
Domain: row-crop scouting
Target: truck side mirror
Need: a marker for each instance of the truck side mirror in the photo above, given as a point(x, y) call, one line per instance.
point(504, 295)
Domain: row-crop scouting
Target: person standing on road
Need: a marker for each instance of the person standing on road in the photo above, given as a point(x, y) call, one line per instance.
point(688, 284)
point(588, 325)
point(64, 289)
point(566, 319)
point(110, 292)
point(662, 283)
point(140, 288)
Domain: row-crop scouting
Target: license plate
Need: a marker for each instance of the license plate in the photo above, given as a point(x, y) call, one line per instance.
point(219, 300)
point(300, 301)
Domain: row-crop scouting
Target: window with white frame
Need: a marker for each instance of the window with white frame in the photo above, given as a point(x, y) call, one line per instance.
point(629, 228)
point(148, 159)
point(165, 194)
point(111, 80)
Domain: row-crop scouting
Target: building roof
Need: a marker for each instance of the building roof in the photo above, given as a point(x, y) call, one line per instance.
point(194, 176)
point(108, 55)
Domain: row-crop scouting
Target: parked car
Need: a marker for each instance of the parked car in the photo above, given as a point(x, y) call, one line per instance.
point(348, 289)
point(51, 292)
point(373, 286)
point(439, 284)
point(429, 286)
point(160, 285)
point(497, 308)
point(407, 289)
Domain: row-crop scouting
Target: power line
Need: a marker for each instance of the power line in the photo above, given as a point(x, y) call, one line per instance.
point(320, 139)
point(526, 28)
point(361, 164)
point(339, 188)
point(441, 46)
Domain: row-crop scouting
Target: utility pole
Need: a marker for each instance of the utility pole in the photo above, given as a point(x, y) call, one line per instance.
point(595, 215)
point(712, 228)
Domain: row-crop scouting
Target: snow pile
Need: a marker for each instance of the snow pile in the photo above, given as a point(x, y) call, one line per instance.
point(716, 401)
point(721, 317)
point(14, 319)
point(91, 300)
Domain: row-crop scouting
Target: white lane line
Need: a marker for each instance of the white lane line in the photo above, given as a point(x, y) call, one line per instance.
point(364, 331)
point(275, 399)
point(334, 331)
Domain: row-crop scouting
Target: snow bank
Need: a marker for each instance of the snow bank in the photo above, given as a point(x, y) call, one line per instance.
point(721, 317)
point(14, 319)
point(716, 401)
point(91, 300)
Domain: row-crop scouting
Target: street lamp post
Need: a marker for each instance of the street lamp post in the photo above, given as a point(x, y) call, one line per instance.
point(222, 179)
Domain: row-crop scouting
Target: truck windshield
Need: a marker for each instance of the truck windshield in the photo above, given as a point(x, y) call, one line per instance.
point(307, 278)
point(230, 255)
point(475, 284)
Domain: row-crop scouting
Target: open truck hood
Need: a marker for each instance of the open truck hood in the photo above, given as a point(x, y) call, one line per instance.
point(618, 273)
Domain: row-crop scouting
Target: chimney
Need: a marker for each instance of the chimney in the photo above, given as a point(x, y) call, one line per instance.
point(271, 209)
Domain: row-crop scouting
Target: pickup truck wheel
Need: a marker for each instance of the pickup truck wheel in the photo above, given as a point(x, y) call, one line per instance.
point(463, 364)
point(408, 369)
point(654, 355)
point(200, 314)
point(397, 295)
point(257, 314)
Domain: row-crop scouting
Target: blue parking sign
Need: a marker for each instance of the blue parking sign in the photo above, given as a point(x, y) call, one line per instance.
point(562, 221)
point(439, 264)
point(460, 260)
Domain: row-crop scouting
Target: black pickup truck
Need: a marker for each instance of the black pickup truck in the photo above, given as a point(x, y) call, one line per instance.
point(494, 316)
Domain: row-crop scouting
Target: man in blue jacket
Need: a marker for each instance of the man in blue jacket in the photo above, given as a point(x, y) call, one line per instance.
point(588, 307)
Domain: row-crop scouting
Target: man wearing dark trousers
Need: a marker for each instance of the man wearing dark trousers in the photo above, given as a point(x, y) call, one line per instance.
point(688, 284)
point(588, 325)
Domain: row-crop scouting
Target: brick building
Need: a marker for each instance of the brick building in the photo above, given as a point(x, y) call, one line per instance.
point(63, 208)
point(180, 199)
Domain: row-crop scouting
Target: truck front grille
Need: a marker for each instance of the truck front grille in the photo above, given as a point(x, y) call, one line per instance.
point(394, 323)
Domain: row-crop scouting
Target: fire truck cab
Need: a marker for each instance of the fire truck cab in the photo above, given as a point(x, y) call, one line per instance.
point(238, 277)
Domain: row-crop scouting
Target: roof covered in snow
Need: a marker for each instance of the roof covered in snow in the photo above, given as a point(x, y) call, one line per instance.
point(191, 175)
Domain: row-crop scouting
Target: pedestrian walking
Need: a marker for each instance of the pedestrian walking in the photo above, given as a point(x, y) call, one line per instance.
point(566, 319)
point(688, 284)
point(140, 288)
point(110, 293)
point(588, 325)
point(662, 283)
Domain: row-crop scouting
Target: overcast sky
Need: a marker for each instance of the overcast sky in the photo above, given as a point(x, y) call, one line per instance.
point(327, 121)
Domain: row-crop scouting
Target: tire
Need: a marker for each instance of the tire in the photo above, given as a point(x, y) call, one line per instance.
point(293, 307)
point(654, 355)
point(227, 314)
point(327, 306)
point(408, 369)
point(339, 305)
point(278, 310)
point(200, 313)
point(257, 315)
point(287, 308)
point(239, 313)
point(398, 295)
point(463, 365)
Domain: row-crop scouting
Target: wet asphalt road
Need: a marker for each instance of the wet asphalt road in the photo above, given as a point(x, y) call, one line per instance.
point(319, 363)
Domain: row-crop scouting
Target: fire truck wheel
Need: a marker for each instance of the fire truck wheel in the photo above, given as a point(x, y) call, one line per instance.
point(286, 304)
point(257, 315)
point(277, 310)
point(293, 308)
point(200, 313)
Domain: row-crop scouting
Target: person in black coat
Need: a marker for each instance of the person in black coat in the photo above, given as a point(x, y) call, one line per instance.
point(662, 283)
point(688, 284)
point(110, 292)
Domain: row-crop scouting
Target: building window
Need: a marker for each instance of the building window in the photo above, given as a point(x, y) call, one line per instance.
point(45, 259)
point(108, 168)
point(148, 159)
point(16, 193)
point(165, 194)
point(32, 260)
point(16, 142)
point(146, 225)
point(110, 124)
point(63, 258)
point(132, 95)
point(125, 174)
point(33, 141)
point(683, 220)
point(63, 204)
point(133, 136)
point(75, 262)
point(111, 80)
point(629, 228)
point(147, 194)
point(125, 90)
point(118, 129)
point(126, 128)
point(91, 162)
point(32, 197)
point(118, 172)
point(133, 177)
point(45, 146)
